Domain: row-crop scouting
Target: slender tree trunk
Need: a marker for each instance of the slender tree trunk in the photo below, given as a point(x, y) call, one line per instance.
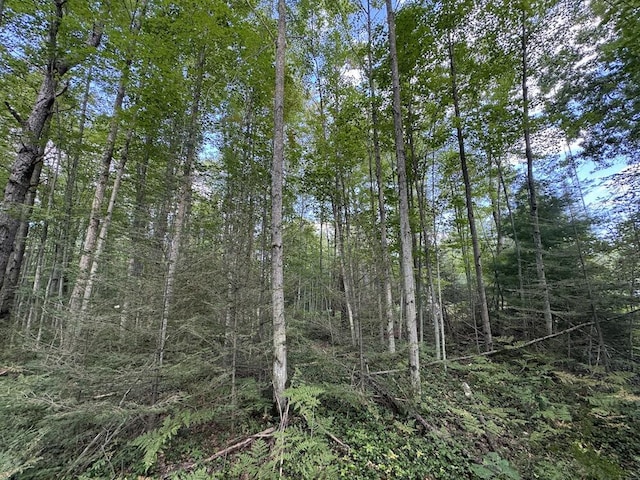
point(91, 236)
point(475, 241)
point(436, 254)
point(496, 210)
point(346, 283)
point(35, 304)
point(277, 266)
point(184, 197)
point(515, 234)
point(77, 301)
point(65, 248)
point(106, 223)
point(459, 221)
point(138, 230)
point(533, 201)
point(583, 264)
point(434, 304)
point(405, 227)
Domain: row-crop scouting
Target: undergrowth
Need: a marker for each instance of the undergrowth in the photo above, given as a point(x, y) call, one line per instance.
point(525, 416)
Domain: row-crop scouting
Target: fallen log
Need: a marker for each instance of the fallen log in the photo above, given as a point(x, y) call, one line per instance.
point(510, 348)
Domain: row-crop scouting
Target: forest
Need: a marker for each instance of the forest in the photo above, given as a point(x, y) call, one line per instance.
point(306, 239)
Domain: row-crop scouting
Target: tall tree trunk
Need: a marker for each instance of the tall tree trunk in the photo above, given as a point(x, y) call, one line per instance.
point(35, 304)
point(436, 254)
point(405, 227)
point(533, 201)
point(77, 301)
point(475, 241)
point(95, 217)
point(66, 238)
point(387, 296)
point(515, 235)
point(496, 211)
point(583, 264)
point(184, 197)
point(14, 266)
point(106, 223)
point(33, 135)
point(459, 221)
point(277, 266)
point(434, 304)
point(137, 234)
point(344, 273)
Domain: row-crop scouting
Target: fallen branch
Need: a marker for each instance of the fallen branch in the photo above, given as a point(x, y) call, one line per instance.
point(397, 405)
point(510, 348)
point(241, 444)
point(343, 445)
point(246, 442)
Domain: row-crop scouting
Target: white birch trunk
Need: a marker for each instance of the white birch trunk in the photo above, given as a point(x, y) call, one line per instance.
point(405, 227)
point(277, 266)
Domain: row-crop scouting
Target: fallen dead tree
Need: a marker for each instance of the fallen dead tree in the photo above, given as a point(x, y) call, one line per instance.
point(508, 348)
point(511, 348)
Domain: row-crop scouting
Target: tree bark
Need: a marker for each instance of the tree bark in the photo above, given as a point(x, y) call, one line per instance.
point(277, 266)
point(387, 296)
point(12, 273)
point(405, 227)
point(475, 241)
point(533, 202)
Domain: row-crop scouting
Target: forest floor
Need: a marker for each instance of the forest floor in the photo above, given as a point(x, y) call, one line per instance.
point(519, 414)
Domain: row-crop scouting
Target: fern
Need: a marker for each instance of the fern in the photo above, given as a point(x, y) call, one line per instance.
point(152, 442)
point(494, 467)
point(250, 464)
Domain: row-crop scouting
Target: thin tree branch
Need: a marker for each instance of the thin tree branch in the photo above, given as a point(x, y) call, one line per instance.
point(14, 113)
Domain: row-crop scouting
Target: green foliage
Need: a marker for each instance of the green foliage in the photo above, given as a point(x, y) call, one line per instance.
point(495, 467)
point(152, 442)
point(595, 465)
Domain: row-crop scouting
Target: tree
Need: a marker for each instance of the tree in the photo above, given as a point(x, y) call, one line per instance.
point(475, 241)
point(531, 186)
point(405, 227)
point(277, 270)
point(33, 129)
point(386, 294)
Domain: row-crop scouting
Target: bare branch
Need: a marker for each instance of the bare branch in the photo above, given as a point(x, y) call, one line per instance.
point(14, 113)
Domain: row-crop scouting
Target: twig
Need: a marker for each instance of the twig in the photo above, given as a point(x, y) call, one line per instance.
point(343, 445)
point(384, 372)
